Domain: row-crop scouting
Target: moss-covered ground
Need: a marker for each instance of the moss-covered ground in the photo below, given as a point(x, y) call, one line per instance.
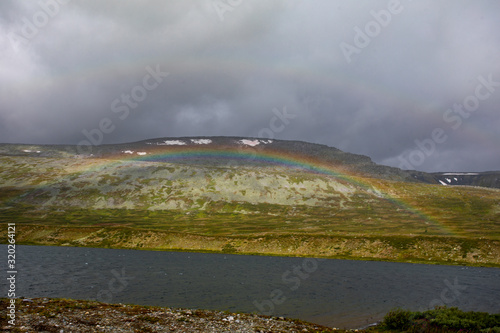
point(254, 210)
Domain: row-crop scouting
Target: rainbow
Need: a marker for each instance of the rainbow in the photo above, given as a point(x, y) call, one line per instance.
point(268, 156)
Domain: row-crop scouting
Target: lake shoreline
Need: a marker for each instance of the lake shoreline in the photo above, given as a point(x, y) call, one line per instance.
point(335, 293)
point(417, 262)
point(53, 314)
point(452, 251)
point(70, 315)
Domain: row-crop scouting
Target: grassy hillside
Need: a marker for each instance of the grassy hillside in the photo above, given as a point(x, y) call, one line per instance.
point(245, 209)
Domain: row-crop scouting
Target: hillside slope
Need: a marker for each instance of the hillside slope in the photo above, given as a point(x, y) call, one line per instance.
point(320, 153)
point(229, 196)
point(250, 146)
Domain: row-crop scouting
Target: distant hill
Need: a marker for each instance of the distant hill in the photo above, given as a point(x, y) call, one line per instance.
point(319, 154)
point(484, 179)
point(245, 195)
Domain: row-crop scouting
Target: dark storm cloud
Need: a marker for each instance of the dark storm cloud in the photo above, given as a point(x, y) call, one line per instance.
point(233, 64)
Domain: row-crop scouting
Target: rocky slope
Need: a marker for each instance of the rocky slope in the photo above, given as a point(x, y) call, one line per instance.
point(253, 146)
point(243, 195)
point(318, 153)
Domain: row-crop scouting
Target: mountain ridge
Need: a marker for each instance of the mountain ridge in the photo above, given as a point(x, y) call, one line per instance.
point(287, 198)
point(356, 163)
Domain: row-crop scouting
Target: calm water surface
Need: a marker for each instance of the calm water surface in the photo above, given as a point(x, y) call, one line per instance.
point(338, 293)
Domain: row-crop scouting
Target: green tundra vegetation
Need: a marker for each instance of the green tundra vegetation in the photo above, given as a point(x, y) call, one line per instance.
point(440, 319)
point(268, 210)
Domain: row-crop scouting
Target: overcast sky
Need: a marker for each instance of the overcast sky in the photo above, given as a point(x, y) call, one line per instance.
point(412, 84)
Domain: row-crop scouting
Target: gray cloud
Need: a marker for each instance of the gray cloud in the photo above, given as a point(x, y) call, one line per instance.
point(226, 76)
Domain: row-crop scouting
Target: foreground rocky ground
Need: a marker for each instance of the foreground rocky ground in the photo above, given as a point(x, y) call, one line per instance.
point(62, 315)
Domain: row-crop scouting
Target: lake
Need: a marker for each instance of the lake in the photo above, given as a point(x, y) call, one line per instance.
point(336, 293)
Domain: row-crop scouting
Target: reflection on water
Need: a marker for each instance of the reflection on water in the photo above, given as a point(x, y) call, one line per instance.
point(339, 293)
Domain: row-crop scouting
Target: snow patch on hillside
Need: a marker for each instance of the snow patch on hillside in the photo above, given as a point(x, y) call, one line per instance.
point(172, 143)
point(201, 141)
point(253, 143)
point(460, 174)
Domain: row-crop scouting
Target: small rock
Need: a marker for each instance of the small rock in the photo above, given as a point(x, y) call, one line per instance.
point(27, 300)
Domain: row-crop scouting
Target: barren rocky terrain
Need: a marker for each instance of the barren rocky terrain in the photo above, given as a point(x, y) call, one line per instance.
point(62, 315)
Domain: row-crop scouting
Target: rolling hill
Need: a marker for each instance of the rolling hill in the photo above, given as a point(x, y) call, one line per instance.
point(246, 195)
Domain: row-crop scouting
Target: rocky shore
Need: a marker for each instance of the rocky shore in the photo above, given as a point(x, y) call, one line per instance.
point(63, 315)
